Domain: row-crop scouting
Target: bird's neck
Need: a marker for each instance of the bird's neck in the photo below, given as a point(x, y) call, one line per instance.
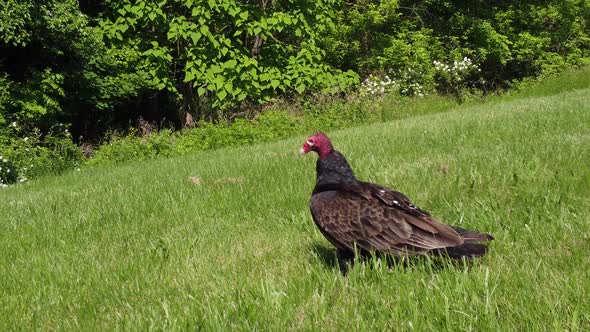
point(334, 169)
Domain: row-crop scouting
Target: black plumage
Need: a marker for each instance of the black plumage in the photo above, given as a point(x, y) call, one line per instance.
point(372, 218)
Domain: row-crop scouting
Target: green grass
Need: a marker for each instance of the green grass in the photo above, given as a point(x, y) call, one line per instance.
point(142, 247)
point(569, 80)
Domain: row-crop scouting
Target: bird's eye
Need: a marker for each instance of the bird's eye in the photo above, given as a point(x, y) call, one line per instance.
point(310, 142)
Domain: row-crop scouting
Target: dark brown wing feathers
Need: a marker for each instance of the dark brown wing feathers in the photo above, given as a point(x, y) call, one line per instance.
point(377, 218)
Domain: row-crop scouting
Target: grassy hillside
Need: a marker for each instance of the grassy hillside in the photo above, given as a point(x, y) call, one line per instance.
point(224, 239)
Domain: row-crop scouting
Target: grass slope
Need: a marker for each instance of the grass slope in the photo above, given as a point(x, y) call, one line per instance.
point(143, 247)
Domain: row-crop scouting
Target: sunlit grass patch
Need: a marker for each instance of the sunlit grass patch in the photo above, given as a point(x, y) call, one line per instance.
point(223, 239)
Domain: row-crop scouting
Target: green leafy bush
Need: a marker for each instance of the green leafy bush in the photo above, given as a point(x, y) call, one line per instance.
point(132, 147)
point(29, 154)
point(8, 173)
point(454, 78)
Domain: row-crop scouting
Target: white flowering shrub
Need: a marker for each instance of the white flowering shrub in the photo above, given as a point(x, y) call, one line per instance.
point(453, 78)
point(445, 78)
point(378, 86)
point(407, 82)
point(25, 155)
point(411, 82)
point(7, 172)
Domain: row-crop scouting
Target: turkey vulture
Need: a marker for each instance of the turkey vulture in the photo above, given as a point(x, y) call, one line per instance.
point(351, 213)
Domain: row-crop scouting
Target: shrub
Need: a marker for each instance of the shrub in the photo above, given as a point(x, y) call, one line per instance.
point(28, 155)
point(8, 173)
point(119, 149)
point(455, 77)
point(322, 113)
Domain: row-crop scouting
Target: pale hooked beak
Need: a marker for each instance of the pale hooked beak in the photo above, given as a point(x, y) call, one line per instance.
point(301, 151)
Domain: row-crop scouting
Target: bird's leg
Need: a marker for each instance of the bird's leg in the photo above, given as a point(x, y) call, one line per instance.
point(345, 260)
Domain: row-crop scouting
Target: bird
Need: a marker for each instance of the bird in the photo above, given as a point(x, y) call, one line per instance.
point(363, 217)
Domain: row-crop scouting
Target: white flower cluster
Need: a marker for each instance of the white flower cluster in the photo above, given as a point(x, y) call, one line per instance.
point(406, 82)
point(457, 68)
point(413, 89)
point(7, 171)
point(376, 86)
point(411, 79)
point(3, 169)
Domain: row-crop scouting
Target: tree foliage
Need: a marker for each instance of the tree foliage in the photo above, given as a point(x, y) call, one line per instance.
point(506, 39)
point(222, 54)
point(55, 67)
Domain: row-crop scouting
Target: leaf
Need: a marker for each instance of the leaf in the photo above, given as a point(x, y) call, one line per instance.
point(264, 76)
point(211, 4)
point(230, 63)
point(212, 40)
point(221, 94)
point(229, 87)
point(189, 76)
point(204, 30)
point(254, 73)
point(300, 88)
point(244, 15)
point(218, 82)
point(195, 36)
point(201, 91)
point(275, 83)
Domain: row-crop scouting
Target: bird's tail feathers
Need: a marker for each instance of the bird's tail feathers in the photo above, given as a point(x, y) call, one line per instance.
point(472, 236)
point(466, 250)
